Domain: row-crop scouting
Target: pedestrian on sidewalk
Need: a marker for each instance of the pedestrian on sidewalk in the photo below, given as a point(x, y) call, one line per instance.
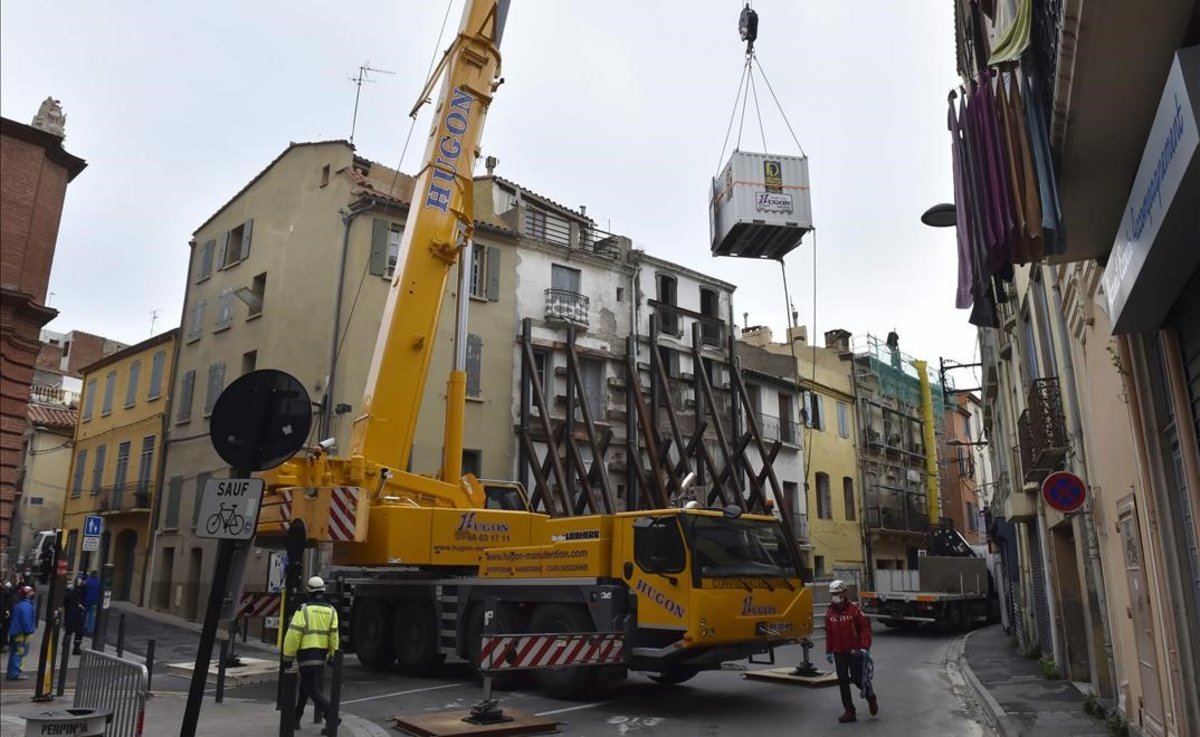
point(7, 599)
point(73, 614)
point(20, 629)
point(311, 639)
point(848, 646)
point(91, 600)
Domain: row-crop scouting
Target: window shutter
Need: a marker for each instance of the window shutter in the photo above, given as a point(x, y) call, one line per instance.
point(474, 356)
point(206, 258)
point(216, 382)
point(80, 464)
point(135, 370)
point(89, 400)
point(174, 492)
point(156, 375)
point(110, 385)
point(186, 391)
point(224, 249)
point(379, 243)
point(247, 230)
point(820, 412)
point(493, 273)
point(808, 408)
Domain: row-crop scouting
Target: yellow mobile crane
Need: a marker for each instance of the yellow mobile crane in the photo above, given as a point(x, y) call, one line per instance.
point(415, 556)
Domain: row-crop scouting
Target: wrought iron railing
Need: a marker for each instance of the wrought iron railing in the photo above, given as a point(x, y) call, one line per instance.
point(773, 428)
point(1046, 30)
point(672, 320)
point(1042, 431)
point(131, 497)
point(897, 510)
point(548, 227)
point(568, 306)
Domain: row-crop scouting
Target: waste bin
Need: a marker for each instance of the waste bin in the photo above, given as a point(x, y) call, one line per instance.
point(74, 722)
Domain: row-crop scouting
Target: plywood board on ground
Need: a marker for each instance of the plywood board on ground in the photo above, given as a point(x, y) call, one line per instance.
point(450, 724)
point(788, 675)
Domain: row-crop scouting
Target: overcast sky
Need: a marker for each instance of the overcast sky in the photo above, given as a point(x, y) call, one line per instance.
point(618, 105)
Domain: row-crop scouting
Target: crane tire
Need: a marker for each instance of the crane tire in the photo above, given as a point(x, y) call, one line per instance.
point(371, 631)
point(675, 675)
point(566, 682)
point(415, 638)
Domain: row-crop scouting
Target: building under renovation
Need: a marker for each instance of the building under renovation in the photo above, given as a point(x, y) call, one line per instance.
point(900, 409)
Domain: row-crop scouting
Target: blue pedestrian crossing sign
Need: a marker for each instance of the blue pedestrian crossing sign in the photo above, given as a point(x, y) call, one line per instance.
point(93, 525)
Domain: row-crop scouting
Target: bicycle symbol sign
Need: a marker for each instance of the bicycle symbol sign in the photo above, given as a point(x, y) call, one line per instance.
point(229, 508)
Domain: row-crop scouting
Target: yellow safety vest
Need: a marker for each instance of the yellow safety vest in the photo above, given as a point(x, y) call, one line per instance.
point(313, 627)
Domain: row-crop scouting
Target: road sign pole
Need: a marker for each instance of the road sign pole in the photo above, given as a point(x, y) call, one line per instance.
point(45, 673)
point(106, 581)
point(208, 635)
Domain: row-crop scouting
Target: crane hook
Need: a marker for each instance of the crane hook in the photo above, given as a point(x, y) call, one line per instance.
point(748, 28)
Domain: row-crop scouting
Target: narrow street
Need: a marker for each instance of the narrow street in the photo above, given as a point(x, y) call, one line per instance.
point(920, 693)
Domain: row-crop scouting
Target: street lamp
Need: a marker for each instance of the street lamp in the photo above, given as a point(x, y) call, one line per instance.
point(942, 215)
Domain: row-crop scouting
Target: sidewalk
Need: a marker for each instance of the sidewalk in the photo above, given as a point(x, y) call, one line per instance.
point(1019, 699)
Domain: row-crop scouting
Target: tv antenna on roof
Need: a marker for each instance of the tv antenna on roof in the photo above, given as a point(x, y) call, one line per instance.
point(362, 78)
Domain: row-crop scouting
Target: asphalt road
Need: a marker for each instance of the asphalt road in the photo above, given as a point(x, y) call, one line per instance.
point(921, 694)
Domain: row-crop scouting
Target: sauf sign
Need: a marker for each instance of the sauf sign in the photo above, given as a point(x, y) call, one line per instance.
point(229, 508)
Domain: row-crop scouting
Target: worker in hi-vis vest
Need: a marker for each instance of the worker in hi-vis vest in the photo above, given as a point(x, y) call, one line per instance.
point(311, 639)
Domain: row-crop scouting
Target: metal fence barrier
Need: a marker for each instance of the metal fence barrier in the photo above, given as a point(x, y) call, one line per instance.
point(111, 683)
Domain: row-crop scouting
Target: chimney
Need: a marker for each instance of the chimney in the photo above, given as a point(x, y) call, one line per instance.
point(583, 210)
point(838, 339)
point(798, 334)
point(491, 163)
point(757, 335)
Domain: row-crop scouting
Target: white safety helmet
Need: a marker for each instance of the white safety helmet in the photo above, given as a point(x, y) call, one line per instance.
point(837, 586)
point(316, 583)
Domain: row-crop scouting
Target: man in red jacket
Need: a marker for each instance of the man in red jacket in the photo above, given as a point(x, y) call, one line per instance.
point(847, 645)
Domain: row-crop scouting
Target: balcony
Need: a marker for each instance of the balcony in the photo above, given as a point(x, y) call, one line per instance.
point(44, 394)
point(1042, 431)
point(897, 511)
point(127, 499)
point(553, 229)
point(566, 306)
point(672, 319)
point(800, 527)
point(773, 428)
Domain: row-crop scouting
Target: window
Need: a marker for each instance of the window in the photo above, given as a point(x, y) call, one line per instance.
point(186, 389)
point(258, 294)
point(174, 492)
point(668, 292)
point(98, 468)
point(848, 498)
point(216, 382)
point(972, 517)
point(540, 360)
point(121, 472)
point(135, 371)
point(658, 544)
point(225, 310)
point(593, 388)
point(236, 245)
point(201, 480)
point(485, 272)
point(472, 462)
point(89, 400)
point(196, 325)
point(385, 247)
point(786, 433)
point(77, 482)
point(824, 502)
point(474, 369)
point(791, 490)
point(156, 375)
point(249, 361)
point(843, 413)
point(206, 260)
point(819, 564)
point(710, 328)
point(110, 386)
point(620, 294)
point(814, 410)
point(325, 175)
point(146, 465)
point(669, 360)
point(565, 279)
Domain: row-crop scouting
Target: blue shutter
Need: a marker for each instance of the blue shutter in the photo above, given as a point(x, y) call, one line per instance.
point(247, 230)
point(80, 464)
point(135, 371)
point(156, 375)
point(89, 400)
point(186, 391)
point(110, 385)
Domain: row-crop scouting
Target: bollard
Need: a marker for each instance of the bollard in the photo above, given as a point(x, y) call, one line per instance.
point(66, 658)
point(287, 696)
point(149, 664)
point(334, 717)
point(221, 670)
point(121, 636)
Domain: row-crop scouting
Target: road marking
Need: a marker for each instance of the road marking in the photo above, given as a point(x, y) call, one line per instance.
point(573, 708)
point(402, 693)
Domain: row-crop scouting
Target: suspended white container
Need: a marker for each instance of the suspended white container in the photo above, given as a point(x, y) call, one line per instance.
point(760, 206)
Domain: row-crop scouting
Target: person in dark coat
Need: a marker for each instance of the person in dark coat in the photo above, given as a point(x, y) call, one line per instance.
point(91, 600)
point(6, 605)
point(73, 613)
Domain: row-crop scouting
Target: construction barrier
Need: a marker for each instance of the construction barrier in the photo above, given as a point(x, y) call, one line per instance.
point(109, 683)
point(258, 605)
point(527, 652)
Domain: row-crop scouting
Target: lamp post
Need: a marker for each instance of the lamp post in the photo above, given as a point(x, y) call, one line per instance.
point(943, 215)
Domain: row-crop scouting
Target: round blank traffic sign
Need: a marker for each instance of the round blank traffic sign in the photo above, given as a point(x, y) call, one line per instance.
point(260, 420)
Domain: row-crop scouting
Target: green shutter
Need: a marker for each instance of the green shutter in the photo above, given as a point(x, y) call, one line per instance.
point(247, 231)
point(379, 243)
point(224, 250)
point(474, 367)
point(206, 259)
point(493, 273)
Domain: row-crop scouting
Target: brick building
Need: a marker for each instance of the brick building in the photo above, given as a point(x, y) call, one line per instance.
point(34, 173)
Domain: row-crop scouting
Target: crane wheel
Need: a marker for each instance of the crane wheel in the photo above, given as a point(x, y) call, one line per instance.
point(371, 631)
point(415, 638)
point(564, 683)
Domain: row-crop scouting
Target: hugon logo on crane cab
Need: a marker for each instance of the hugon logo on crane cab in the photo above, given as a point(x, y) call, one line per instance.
point(467, 523)
point(449, 151)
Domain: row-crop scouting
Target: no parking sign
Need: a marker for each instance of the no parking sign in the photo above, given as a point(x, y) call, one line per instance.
point(1064, 491)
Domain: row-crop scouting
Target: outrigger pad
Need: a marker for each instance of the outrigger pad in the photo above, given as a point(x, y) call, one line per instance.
point(451, 724)
point(790, 676)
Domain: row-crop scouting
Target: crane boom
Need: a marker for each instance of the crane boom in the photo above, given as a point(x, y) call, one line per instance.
point(439, 227)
